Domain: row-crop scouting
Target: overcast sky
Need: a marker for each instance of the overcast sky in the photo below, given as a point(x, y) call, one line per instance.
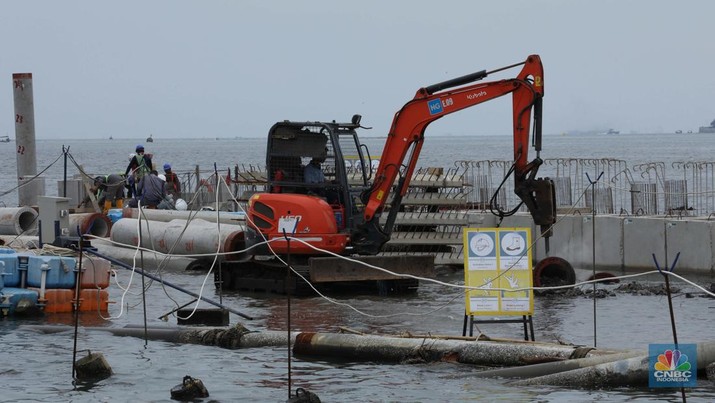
point(180, 69)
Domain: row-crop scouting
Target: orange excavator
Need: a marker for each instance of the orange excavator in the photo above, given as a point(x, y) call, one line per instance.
point(320, 188)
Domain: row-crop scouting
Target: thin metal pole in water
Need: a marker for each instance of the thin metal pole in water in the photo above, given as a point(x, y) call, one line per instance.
point(218, 226)
point(667, 290)
point(76, 307)
point(593, 246)
point(64, 177)
point(141, 262)
point(287, 288)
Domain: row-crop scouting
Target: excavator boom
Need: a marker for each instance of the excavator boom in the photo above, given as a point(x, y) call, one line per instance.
point(430, 103)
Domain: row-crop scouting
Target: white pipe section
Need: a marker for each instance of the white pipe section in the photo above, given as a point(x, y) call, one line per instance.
point(225, 217)
point(179, 238)
point(18, 221)
point(152, 261)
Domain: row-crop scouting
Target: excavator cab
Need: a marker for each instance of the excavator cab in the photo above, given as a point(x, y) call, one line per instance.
point(316, 172)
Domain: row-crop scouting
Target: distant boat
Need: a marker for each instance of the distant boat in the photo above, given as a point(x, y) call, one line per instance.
point(149, 139)
point(611, 131)
point(111, 138)
point(678, 132)
point(4, 139)
point(708, 129)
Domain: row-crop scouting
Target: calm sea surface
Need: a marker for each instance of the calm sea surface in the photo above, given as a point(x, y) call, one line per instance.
point(37, 367)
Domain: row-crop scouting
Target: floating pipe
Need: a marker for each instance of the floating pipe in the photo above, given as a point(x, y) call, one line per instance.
point(547, 368)
point(359, 347)
point(90, 223)
point(394, 349)
point(18, 221)
point(235, 337)
point(175, 264)
point(179, 238)
point(224, 217)
point(627, 372)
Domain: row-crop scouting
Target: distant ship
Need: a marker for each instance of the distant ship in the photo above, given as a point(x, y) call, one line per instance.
point(4, 139)
point(708, 129)
point(149, 139)
point(611, 131)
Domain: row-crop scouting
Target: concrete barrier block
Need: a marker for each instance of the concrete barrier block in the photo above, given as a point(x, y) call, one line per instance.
point(609, 250)
point(694, 240)
point(567, 241)
point(642, 236)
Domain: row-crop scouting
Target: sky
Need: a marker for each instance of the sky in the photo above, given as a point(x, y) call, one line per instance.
point(211, 68)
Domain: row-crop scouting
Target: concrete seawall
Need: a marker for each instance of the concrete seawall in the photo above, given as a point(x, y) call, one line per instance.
point(626, 242)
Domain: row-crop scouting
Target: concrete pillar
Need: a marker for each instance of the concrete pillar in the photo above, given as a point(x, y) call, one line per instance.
point(25, 140)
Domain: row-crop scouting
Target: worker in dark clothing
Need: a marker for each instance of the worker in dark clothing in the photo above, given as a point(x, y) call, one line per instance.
point(151, 190)
point(173, 187)
point(109, 191)
point(139, 165)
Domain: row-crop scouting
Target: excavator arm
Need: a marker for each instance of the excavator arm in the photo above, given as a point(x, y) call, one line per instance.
point(435, 101)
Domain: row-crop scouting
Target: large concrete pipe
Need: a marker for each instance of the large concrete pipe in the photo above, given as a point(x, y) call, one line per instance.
point(552, 272)
point(225, 217)
point(90, 223)
point(152, 261)
point(179, 238)
point(18, 221)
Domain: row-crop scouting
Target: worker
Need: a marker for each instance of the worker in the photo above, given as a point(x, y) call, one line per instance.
point(313, 172)
point(139, 165)
point(151, 190)
point(109, 191)
point(313, 175)
point(172, 182)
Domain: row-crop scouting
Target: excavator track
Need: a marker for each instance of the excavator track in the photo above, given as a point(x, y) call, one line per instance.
point(325, 275)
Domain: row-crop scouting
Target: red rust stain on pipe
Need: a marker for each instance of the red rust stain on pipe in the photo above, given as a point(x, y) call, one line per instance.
point(303, 342)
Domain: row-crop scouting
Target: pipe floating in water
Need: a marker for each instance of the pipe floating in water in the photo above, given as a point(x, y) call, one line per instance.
point(396, 349)
point(180, 237)
point(626, 372)
point(18, 221)
point(235, 337)
point(355, 347)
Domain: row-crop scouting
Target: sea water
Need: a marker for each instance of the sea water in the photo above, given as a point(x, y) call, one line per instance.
point(38, 367)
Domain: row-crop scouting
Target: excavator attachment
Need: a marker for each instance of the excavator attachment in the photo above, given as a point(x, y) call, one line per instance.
point(539, 195)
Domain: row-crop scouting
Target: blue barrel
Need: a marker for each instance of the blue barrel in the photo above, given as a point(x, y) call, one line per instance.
point(114, 214)
point(8, 268)
point(20, 300)
point(60, 271)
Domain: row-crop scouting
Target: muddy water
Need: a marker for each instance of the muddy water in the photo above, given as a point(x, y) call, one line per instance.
point(38, 366)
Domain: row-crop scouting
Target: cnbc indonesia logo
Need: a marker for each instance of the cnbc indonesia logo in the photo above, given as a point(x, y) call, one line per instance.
point(672, 366)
